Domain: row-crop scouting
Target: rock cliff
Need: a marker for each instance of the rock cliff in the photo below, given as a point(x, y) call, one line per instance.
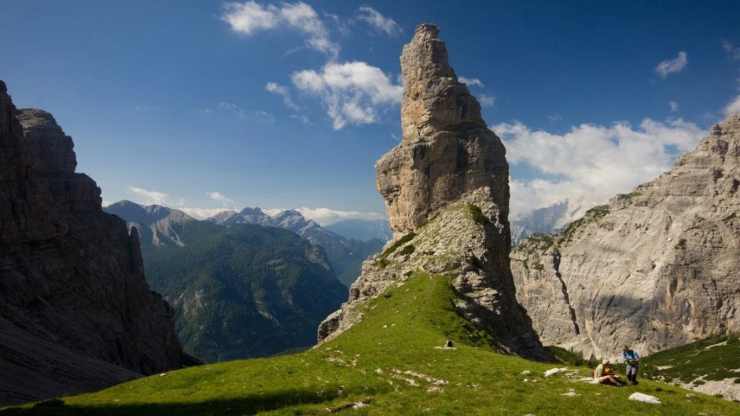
point(447, 195)
point(446, 150)
point(653, 269)
point(75, 311)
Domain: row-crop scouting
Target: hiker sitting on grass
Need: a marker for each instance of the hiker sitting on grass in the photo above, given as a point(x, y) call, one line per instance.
point(604, 374)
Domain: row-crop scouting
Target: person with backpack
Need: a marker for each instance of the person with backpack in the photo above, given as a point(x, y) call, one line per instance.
point(632, 361)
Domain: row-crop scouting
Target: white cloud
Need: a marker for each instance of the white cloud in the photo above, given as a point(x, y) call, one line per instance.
point(732, 50)
point(302, 118)
point(486, 100)
point(231, 108)
point(471, 82)
point(378, 21)
point(591, 163)
point(203, 213)
point(148, 197)
point(225, 201)
point(281, 90)
point(670, 66)
point(733, 106)
point(328, 216)
point(250, 17)
point(351, 91)
point(673, 105)
point(235, 110)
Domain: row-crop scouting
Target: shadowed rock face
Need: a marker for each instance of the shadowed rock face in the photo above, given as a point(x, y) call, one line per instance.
point(446, 150)
point(75, 311)
point(447, 194)
point(654, 269)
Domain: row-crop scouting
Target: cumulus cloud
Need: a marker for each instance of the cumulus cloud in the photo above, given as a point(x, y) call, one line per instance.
point(328, 216)
point(732, 50)
point(670, 66)
point(148, 197)
point(282, 91)
point(225, 201)
point(471, 82)
point(379, 22)
point(352, 92)
point(486, 100)
point(250, 17)
point(733, 107)
point(673, 105)
point(591, 163)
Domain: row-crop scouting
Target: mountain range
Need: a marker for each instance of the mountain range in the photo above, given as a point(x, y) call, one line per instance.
point(242, 290)
point(345, 254)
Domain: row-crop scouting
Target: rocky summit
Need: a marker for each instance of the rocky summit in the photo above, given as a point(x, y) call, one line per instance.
point(76, 313)
point(447, 150)
point(653, 269)
point(447, 195)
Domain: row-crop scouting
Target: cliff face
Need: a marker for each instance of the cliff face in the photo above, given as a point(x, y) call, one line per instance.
point(653, 269)
point(446, 150)
point(447, 195)
point(75, 311)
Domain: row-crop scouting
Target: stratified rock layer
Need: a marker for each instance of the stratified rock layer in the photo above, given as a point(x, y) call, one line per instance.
point(75, 311)
point(446, 150)
point(447, 195)
point(653, 269)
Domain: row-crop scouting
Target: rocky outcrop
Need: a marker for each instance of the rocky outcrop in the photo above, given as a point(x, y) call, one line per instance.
point(446, 150)
point(447, 195)
point(75, 311)
point(653, 269)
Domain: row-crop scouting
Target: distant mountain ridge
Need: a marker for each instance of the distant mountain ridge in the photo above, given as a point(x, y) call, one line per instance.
point(239, 291)
point(345, 254)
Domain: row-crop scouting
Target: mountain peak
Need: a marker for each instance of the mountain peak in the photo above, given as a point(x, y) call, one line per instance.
point(446, 150)
point(446, 192)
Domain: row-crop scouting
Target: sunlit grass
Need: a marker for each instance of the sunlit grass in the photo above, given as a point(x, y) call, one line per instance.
point(392, 364)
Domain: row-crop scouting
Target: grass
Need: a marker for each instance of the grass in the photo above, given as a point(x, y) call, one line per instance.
point(390, 362)
point(571, 358)
point(593, 214)
point(474, 213)
point(714, 358)
point(382, 260)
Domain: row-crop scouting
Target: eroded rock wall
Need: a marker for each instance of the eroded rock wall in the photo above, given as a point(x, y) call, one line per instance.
point(75, 310)
point(653, 269)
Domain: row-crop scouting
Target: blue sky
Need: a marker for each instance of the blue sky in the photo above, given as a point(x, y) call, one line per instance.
point(205, 104)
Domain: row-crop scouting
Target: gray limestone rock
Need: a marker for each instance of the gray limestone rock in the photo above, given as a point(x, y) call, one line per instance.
point(653, 269)
point(75, 311)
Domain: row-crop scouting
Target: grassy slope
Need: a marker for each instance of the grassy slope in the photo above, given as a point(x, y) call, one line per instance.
point(400, 332)
point(714, 357)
